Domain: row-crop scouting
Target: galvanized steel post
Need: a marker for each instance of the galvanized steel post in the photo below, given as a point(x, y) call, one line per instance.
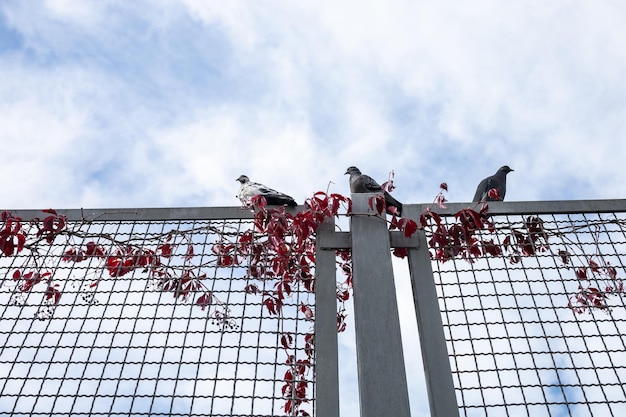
point(326, 348)
point(380, 361)
point(441, 394)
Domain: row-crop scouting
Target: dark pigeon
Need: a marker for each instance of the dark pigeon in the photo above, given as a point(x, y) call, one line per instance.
point(249, 189)
point(361, 183)
point(497, 181)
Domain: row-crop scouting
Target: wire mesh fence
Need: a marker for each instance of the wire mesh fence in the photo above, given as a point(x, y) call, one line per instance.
point(179, 313)
point(538, 329)
point(132, 317)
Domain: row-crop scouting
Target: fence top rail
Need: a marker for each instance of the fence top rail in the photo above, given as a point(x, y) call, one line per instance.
point(148, 214)
point(237, 212)
point(536, 207)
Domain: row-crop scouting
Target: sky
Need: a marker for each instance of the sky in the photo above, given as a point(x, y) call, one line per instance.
point(164, 103)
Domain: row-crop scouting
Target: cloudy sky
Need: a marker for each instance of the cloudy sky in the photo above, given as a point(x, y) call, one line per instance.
point(166, 102)
point(159, 103)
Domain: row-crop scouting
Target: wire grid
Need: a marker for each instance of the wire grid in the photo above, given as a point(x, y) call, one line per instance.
point(126, 347)
point(516, 348)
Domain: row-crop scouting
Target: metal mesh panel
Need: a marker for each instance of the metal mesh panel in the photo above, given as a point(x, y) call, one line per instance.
point(134, 343)
point(516, 346)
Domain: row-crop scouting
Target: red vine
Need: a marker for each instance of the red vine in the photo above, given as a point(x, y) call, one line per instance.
point(279, 250)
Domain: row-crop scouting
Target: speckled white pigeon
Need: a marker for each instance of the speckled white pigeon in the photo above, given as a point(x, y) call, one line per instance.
point(249, 189)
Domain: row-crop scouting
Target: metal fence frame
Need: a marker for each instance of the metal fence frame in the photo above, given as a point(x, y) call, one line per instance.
point(382, 385)
point(382, 379)
point(272, 370)
point(426, 297)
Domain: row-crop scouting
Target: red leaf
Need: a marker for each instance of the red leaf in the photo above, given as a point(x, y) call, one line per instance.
point(341, 322)
point(246, 237)
point(429, 214)
point(611, 272)
point(506, 242)
point(475, 251)
point(288, 404)
point(21, 240)
point(251, 289)
point(73, 255)
point(269, 304)
point(565, 256)
point(494, 194)
point(377, 201)
point(401, 252)
point(595, 292)
point(7, 246)
point(515, 259)
point(225, 260)
point(204, 300)
point(286, 340)
point(491, 248)
point(165, 250)
point(469, 219)
point(189, 253)
point(306, 309)
point(53, 294)
point(258, 201)
point(439, 238)
point(396, 223)
point(410, 228)
point(288, 376)
point(343, 295)
point(393, 210)
point(94, 250)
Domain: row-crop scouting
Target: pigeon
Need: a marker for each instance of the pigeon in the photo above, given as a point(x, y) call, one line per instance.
point(361, 183)
point(249, 189)
point(497, 181)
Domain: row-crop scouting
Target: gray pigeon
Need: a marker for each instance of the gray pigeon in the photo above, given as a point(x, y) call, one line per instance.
point(361, 183)
point(249, 189)
point(497, 181)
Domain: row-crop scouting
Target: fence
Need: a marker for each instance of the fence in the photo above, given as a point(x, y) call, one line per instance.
point(159, 314)
point(161, 325)
point(517, 345)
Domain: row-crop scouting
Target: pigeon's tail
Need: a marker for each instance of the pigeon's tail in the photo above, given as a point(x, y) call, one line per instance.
point(483, 197)
point(482, 192)
point(478, 197)
point(390, 201)
point(280, 200)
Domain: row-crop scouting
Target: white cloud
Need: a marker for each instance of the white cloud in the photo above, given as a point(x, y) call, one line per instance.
point(525, 77)
point(165, 103)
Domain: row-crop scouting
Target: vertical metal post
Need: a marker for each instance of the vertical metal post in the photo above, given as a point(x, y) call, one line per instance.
point(326, 348)
point(439, 383)
point(380, 361)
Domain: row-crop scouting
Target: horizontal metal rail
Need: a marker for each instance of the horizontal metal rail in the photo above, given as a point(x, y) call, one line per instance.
point(238, 212)
point(148, 214)
point(535, 207)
